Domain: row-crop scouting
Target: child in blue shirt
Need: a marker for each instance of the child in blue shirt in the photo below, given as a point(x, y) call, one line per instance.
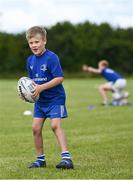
point(116, 82)
point(45, 70)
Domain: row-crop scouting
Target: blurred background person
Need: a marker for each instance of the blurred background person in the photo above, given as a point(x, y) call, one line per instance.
point(116, 83)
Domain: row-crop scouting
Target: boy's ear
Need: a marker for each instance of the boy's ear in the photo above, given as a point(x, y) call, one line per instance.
point(45, 42)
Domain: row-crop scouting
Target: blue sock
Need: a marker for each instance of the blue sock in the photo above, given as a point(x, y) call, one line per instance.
point(65, 155)
point(41, 158)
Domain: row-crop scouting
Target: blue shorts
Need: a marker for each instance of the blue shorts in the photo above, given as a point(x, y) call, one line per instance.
point(53, 111)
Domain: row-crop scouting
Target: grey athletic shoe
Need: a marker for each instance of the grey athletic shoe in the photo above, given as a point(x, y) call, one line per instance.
point(37, 164)
point(65, 164)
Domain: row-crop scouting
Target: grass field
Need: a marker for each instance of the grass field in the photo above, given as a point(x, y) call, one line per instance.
point(100, 140)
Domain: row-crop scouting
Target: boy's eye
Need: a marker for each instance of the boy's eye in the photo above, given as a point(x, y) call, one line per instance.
point(36, 42)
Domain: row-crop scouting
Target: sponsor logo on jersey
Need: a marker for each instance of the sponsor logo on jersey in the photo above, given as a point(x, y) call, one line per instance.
point(36, 74)
point(40, 79)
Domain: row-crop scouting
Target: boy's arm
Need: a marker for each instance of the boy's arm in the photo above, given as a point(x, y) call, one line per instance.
point(28, 69)
point(90, 69)
point(54, 82)
point(93, 70)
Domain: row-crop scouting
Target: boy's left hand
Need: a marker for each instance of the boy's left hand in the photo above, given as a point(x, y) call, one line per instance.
point(37, 91)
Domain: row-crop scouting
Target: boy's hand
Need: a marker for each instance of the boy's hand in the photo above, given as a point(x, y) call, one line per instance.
point(85, 67)
point(38, 90)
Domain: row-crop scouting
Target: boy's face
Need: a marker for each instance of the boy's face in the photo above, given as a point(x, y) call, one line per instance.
point(37, 44)
point(101, 66)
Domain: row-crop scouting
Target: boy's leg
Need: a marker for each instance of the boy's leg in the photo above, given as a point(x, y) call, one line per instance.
point(119, 85)
point(103, 89)
point(119, 89)
point(66, 162)
point(37, 134)
point(58, 131)
point(38, 141)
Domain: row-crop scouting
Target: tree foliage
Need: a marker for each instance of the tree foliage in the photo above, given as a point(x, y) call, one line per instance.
point(75, 44)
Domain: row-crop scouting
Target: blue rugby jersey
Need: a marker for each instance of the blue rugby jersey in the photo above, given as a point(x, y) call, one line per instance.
point(42, 69)
point(110, 75)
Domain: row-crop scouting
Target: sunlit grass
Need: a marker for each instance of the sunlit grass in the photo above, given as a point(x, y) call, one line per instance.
point(100, 140)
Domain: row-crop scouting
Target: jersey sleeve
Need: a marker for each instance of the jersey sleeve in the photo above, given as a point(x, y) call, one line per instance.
point(55, 66)
point(29, 69)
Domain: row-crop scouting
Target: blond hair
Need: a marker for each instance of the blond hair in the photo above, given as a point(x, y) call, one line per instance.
point(104, 63)
point(33, 31)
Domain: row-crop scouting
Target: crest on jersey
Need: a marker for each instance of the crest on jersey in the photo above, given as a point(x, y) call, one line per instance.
point(31, 67)
point(43, 67)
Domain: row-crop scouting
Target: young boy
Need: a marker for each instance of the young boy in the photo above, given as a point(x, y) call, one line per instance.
point(116, 82)
point(45, 69)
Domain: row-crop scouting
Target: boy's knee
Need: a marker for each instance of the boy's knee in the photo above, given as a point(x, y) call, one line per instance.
point(54, 126)
point(36, 130)
point(101, 88)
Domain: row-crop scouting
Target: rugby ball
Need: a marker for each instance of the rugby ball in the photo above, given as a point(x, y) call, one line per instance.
point(26, 87)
